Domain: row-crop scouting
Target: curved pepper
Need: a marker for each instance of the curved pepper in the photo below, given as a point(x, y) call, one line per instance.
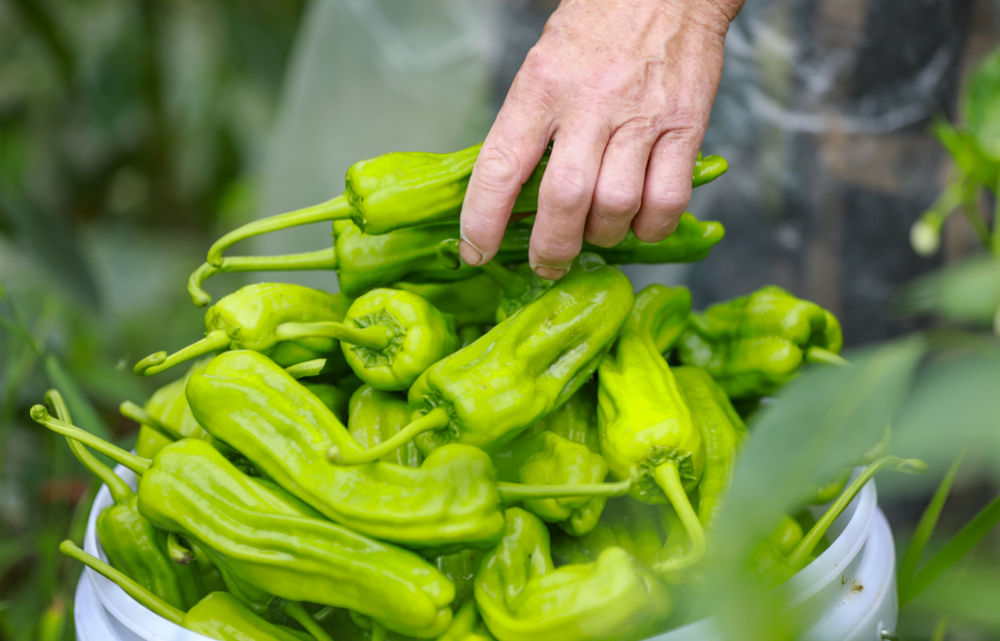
point(261, 535)
point(523, 598)
point(754, 344)
point(375, 416)
point(166, 416)
point(647, 431)
point(407, 189)
point(218, 616)
point(256, 317)
point(522, 369)
point(131, 542)
point(452, 500)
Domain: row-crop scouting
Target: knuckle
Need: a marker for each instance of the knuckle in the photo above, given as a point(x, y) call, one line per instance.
point(653, 229)
point(616, 202)
point(498, 167)
point(567, 187)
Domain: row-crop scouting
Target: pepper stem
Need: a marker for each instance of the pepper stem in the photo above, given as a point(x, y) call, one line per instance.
point(295, 610)
point(120, 491)
point(321, 259)
point(335, 209)
point(178, 551)
point(373, 336)
point(161, 361)
point(669, 479)
point(436, 419)
point(379, 632)
point(808, 543)
point(307, 368)
point(819, 355)
point(131, 588)
point(135, 463)
point(128, 409)
point(511, 283)
point(513, 492)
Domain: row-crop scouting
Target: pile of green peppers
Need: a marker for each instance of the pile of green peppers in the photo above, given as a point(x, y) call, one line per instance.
point(446, 452)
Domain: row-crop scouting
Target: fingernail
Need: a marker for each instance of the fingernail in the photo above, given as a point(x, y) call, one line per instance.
point(469, 253)
point(548, 273)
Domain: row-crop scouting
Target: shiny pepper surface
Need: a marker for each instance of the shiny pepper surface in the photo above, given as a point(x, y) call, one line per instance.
point(722, 431)
point(418, 336)
point(219, 615)
point(522, 597)
point(550, 459)
point(252, 318)
point(247, 401)
point(365, 261)
point(132, 543)
point(754, 344)
point(690, 242)
point(647, 431)
point(274, 542)
point(472, 301)
point(528, 365)
point(375, 416)
point(169, 407)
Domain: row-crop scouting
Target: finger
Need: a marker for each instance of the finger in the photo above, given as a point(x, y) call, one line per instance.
point(668, 185)
point(565, 195)
point(619, 186)
point(510, 153)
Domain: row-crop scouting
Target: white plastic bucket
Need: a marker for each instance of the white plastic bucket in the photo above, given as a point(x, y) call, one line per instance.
point(851, 585)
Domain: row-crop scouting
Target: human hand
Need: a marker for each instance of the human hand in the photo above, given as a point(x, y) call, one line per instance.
point(624, 89)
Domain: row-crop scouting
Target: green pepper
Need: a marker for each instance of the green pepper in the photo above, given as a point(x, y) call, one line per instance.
point(754, 344)
point(417, 336)
point(131, 542)
point(365, 261)
point(257, 317)
point(523, 598)
point(467, 625)
point(647, 430)
point(624, 523)
point(376, 416)
point(408, 189)
point(471, 301)
point(522, 369)
point(771, 565)
point(452, 501)
point(722, 431)
point(337, 399)
point(550, 459)
point(166, 416)
point(217, 616)
point(255, 531)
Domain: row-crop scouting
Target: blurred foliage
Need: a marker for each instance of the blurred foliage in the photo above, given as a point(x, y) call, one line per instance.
point(129, 133)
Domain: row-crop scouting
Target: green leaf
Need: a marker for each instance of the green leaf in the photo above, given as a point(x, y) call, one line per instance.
point(967, 155)
point(967, 293)
point(817, 425)
point(914, 552)
point(967, 594)
point(982, 105)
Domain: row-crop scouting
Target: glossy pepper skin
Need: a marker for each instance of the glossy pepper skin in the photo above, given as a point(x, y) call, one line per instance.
point(522, 597)
point(451, 500)
point(252, 318)
point(261, 535)
point(550, 459)
point(691, 242)
point(647, 430)
point(419, 336)
point(722, 432)
point(366, 261)
point(219, 615)
point(168, 406)
point(754, 344)
point(133, 545)
point(376, 416)
point(472, 301)
point(528, 365)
